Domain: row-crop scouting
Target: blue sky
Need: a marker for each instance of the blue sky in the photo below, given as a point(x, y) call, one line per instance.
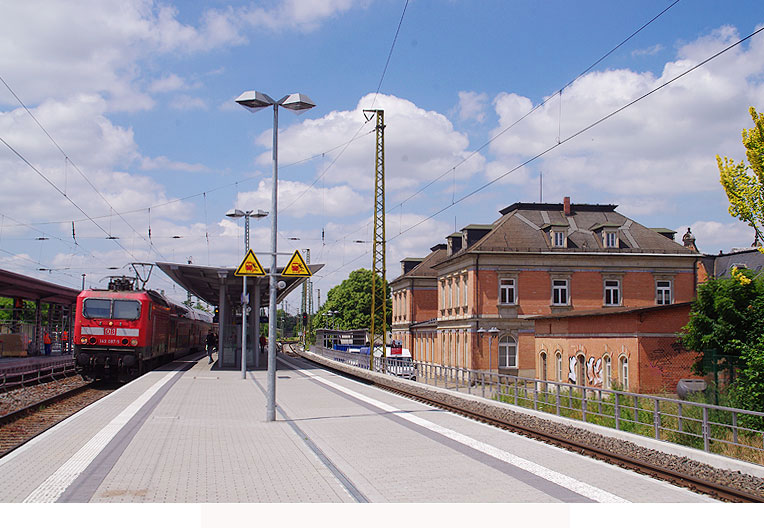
point(138, 97)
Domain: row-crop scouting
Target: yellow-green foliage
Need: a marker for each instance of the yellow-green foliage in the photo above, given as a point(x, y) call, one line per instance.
point(745, 189)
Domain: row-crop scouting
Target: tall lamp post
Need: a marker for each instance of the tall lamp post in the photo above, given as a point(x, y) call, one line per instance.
point(298, 103)
point(493, 331)
point(238, 213)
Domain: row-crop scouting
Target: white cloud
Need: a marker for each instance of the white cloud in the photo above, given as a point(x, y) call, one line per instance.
point(420, 145)
point(168, 83)
point(651, 50)
point(472, 106)
point(662, 146)
point(297, 199)
point(187, 102)
point(712, 237)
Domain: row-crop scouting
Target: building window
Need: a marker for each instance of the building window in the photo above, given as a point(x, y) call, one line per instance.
point(610, 238)
point(507, 352)
point(543, 365)
point(465, 290)
point(612, 293)
point(458, 291)
point(558, 238)
point(443, 295)
point(507, 291)
point(558, 365)
point(623, 368)
point(608, 370)
point(663, 292)
point(581, 369)
point(560, 292)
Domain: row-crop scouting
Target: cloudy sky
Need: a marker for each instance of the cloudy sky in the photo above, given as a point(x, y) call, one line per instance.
point(117, 119)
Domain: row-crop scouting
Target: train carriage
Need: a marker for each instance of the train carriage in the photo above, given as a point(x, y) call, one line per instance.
point(121, 333)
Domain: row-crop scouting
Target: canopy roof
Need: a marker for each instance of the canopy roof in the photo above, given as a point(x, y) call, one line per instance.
point(16, 285)
point(205, 281)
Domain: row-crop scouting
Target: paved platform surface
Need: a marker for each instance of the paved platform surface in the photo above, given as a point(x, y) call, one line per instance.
point(192, 434)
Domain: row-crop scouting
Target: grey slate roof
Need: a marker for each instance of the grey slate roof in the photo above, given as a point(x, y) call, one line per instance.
point(720, 265)
point(525, 227)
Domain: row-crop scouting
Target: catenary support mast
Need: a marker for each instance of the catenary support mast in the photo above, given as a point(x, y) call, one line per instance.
point(378, 283)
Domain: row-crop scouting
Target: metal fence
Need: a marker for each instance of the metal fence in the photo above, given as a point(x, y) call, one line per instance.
point(736, 433)
point(30, 374)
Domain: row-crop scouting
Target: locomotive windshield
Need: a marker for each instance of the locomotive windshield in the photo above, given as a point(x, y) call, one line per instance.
point(106, 309)
point(127, 310)
point(96, 308)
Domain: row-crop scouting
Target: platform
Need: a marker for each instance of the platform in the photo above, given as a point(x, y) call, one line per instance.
point(188, 433)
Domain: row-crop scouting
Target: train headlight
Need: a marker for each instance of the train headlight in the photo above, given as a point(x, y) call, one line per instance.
point(83, 340)
point(134, 342)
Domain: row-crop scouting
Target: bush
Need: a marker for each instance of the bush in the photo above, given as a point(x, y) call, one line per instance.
point(748, 390)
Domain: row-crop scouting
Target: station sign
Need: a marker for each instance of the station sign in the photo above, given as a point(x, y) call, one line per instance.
point(250, 266)
point(296, 267)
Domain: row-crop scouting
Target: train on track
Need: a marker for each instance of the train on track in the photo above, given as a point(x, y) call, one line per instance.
point(121, 333)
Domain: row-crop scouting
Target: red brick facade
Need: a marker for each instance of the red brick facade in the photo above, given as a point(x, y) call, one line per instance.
point(536, 261)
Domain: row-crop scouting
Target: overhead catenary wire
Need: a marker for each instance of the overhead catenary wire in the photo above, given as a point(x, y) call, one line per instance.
point(564, 141)
point(534, 108)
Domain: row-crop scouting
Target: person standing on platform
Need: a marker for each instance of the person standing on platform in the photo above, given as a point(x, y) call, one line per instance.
point(211, 340)
point(47, 342)
point(64, 342)
point(263, 343)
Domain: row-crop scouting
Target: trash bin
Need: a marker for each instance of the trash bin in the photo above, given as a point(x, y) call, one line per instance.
point(685, 387)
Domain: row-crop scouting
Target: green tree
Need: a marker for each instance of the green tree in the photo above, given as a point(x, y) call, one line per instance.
point(352, 302)
point(748, 390)
point(745, 189)
point(726, 313)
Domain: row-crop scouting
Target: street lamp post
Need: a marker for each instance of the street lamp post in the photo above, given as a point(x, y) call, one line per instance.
point(238, 213)
point(493, 331)
point(298, 103)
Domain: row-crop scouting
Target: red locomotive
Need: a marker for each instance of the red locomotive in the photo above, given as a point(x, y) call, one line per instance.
point(121, 333)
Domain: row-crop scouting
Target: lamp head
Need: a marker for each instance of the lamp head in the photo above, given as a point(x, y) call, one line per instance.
point(235, 213)
point(254, 101)
point(297, 103)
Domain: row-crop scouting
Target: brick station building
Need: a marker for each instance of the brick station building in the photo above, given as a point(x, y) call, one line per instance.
point(536, 259)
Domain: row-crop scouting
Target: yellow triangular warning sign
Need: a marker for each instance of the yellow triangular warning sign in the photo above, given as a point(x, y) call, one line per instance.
point(296, 267)
point(250, 266)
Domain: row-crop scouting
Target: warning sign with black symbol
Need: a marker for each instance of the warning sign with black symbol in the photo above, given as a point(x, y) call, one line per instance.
point(250, 266)
point(296, 267)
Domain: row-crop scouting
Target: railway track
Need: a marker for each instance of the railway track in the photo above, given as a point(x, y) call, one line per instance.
point(682, 479)
point(22, 425)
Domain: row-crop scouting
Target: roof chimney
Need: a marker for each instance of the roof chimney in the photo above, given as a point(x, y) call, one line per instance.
point(566, 206)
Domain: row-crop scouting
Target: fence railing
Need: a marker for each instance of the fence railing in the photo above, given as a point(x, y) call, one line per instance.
point(11, 378)
point(731, 432)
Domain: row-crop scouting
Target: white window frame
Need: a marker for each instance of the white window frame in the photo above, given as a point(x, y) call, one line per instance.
point(664, 287)
point(623, 372)
point(544, 364)
point(558, 365)
point(466, 290)
point(507, 284)
point(559, 239)
point(508, 345)
point(565, 288)
point(612, 288)
point(608, 370)
point(610, 239)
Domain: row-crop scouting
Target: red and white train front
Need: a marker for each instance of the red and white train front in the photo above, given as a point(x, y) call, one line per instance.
point(113, 332)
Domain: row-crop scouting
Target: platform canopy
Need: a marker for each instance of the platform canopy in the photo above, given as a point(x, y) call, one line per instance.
point(205, 282)
point(16, 285)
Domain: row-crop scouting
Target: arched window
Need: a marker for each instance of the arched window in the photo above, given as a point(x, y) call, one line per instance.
point(558, 365)
point(507, 352)
point(581, 369)
point(543, 365)
point(607, 377)
point(623, 370)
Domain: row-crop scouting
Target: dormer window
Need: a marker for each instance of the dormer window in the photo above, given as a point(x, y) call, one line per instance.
point(610, 239)
point(558, 238)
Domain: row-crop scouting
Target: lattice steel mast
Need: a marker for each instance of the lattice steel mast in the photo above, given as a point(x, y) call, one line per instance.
point(378, 300)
